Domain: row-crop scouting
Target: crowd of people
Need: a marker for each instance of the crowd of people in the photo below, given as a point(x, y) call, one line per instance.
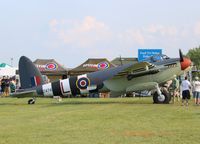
point(189, 89)
point(185, 90)
point(7, 85)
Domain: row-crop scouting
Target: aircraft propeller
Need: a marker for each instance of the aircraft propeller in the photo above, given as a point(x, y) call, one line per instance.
point(185, 62)
point(181, 55)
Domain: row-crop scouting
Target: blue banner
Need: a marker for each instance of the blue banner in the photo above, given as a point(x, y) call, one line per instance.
point(145, 53)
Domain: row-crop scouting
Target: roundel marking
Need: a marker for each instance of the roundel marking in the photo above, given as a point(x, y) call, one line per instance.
point(103, 65)
point(83, 83)
point(51, 66)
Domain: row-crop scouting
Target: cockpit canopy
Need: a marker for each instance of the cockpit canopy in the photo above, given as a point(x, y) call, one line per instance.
point(157, 58)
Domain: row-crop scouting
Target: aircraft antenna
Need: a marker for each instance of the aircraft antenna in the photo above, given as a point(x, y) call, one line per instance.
point(120, 59)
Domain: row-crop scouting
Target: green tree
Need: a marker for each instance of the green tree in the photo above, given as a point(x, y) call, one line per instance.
point(194, 55)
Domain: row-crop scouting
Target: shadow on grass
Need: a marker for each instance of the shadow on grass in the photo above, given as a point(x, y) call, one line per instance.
point(79, 101)
point(101, 102)
point(13, 104)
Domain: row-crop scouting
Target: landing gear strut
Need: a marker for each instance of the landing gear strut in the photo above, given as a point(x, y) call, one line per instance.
point(31, 101)
point(161, 96)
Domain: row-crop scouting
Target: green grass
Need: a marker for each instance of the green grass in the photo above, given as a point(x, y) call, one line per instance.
point(97, 121)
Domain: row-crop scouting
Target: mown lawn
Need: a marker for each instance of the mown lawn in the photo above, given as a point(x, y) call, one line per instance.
point(97, 121)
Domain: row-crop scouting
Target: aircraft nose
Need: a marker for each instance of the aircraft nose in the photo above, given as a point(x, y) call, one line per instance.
point(185, 63)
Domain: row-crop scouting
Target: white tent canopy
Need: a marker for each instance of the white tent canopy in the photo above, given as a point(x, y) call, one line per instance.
point(7, 70)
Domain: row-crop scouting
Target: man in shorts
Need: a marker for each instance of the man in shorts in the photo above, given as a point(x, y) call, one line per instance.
point(196, 87)
point(185, 87)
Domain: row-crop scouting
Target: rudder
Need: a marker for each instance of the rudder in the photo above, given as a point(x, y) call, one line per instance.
point(29, 74)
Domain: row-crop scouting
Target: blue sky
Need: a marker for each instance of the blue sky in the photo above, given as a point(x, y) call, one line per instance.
point(71, 31)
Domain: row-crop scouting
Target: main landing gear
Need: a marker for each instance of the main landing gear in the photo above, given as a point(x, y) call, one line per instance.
point(161, 96)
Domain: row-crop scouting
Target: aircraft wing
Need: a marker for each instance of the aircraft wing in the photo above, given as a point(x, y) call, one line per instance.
point(137, 69)
point(128, 70)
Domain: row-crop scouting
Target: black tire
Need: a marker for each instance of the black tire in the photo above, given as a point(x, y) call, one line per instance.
point(31, 101)
point(166, 100)
point(129, 77)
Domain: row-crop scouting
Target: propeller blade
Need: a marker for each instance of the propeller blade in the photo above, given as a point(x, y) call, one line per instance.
point(181, 55)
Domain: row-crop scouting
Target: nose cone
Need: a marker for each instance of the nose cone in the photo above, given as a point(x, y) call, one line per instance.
point(185, 63)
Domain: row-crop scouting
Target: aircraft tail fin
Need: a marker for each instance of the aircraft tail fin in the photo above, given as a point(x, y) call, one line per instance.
point(29, 74)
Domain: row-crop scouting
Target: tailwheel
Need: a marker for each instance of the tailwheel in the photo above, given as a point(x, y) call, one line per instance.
point(164, 98)
point(31, 101)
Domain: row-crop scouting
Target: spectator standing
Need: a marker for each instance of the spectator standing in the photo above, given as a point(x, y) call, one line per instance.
point(193, 90)
point(175, 89)
point(17, 84)
point(3, 85)
point(12, 86)
point(0, 87)
point(185, 87)
point(7, 86)
point(196, 87)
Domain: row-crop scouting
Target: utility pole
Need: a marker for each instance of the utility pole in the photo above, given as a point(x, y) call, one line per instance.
point(11, 62)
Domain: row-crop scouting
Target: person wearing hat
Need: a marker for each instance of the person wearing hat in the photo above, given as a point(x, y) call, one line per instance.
point(175, 89)
point(196, 87)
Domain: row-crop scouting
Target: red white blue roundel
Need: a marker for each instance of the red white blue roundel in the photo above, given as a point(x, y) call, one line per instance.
point(51, 66)
point(83, 83)
point(103, 65)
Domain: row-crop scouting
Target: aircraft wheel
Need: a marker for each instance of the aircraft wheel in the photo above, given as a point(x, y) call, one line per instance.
point(165, 100)
point(31, 101)
point(129, 77)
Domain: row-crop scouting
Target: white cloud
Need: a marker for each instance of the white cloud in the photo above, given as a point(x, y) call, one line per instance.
point(90, 24)
point(95, 38)
point(152, 29)
point(148, 35)
point(135, 35)
point(197, 29)
point(84, 33)
point(161, 29)
point(184, 33)
point(53, 25)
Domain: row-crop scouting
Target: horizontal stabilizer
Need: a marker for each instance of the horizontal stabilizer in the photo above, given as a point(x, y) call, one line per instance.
point(24, 94)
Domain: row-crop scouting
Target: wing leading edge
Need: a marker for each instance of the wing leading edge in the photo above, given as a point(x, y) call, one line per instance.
point(137, 70)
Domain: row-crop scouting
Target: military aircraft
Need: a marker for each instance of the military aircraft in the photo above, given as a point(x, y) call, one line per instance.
point(122, 79)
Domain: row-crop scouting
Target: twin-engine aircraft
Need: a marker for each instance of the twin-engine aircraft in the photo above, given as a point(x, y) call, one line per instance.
point(121, 79)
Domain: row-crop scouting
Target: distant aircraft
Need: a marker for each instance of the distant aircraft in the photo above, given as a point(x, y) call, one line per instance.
point(122, 79)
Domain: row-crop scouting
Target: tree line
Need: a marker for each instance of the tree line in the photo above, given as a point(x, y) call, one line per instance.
point(194, 55)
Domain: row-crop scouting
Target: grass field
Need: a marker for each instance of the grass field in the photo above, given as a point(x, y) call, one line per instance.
point(97, 121)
